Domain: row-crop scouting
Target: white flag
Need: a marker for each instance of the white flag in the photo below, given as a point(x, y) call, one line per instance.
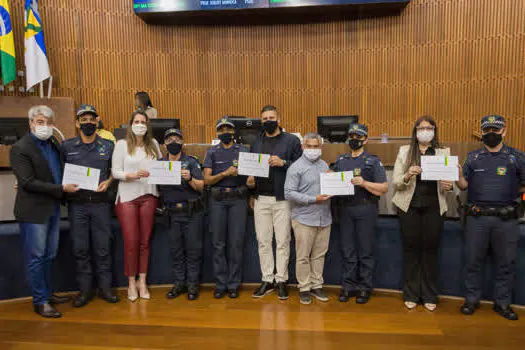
point(37, 66)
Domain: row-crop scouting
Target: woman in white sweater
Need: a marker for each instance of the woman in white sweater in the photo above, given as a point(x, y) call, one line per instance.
point(136, 199)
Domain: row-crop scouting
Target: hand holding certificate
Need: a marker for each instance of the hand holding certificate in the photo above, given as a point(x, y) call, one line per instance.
point(163, 172)
point(254, 164)
point(435, 168)
point(337, 184)
point(86, 178)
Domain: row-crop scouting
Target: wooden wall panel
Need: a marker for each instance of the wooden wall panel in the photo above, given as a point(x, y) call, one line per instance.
point(454, 59)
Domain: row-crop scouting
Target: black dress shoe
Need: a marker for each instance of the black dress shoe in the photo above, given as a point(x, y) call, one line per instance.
point(469, 308)
point(82, 299)
point(219, 293)
point(363, 297)
point(57, 299)
point(264, 288)
point(233, 293)
point(282, 292)
point(346, 295)
point(193, 292)
point(108, 295)
point(47, 310)
point(176, 291)
point(506, 312)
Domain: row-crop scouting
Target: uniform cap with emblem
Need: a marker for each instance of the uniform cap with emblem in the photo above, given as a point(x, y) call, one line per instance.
point(493, 121)
point(358, 129)
point(85, 109)
point(224, 121)
point(173, 131)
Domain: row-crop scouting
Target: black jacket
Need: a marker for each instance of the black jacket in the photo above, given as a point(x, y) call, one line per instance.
point(289, 149)
point(37, 193)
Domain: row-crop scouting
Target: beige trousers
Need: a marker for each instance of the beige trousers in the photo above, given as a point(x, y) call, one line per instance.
point(271, 215)
point(311, 245)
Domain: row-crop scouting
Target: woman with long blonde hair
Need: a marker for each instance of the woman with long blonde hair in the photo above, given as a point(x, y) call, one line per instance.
point(136, 199)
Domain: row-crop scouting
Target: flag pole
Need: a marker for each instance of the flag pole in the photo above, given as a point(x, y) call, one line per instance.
point(49, 87)
point(41, 89)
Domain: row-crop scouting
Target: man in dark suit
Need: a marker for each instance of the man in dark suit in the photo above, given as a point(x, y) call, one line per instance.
point(37, 164)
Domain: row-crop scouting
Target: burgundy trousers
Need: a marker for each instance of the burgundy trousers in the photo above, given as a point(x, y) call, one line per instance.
point(136, 219)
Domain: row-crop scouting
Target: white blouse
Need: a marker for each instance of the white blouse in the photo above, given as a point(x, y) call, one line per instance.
point(124, 163)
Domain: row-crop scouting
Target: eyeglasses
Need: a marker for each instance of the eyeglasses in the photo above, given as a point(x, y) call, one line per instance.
point(425, 128)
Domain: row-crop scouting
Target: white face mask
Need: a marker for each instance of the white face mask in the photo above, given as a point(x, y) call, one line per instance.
point(43, 132)
point(425, 136)
point(139, 129)
point(312, 154)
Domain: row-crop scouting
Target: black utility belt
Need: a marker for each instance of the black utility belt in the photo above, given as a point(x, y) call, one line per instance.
point(221, 193)
point(508, 212)
point(352, 202)
point(189, 207)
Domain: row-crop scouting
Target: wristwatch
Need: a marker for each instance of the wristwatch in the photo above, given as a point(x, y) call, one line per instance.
point(284, 162)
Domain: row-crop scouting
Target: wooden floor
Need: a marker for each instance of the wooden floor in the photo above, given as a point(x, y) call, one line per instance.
point(266, 324)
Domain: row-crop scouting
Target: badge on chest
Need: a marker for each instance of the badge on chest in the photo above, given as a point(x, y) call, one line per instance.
point(501, 171)
point(357, 171)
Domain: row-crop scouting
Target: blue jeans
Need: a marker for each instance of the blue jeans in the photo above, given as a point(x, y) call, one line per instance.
point(40, 244)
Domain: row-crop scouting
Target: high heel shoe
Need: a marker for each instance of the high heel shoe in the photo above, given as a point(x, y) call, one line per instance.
point(410, 305)
point(144, 292)
point(133, 294)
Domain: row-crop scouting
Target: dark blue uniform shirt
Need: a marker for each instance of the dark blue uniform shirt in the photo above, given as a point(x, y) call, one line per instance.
point(367, 166)
point(95, 155)
point(494, 178)
point(219, 159)
point(52, 155)
point(183, 192)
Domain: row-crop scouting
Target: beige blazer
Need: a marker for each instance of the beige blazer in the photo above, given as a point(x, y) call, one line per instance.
point(404, 191)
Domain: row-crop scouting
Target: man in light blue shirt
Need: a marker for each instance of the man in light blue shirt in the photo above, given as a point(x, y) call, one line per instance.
point(311, 217)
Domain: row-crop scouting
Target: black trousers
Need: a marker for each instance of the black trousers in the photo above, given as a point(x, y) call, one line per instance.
point(421, 229)
point(228, 227)
point(358, 233)
point(186, 232)
point(91, 237)
point(502, 237)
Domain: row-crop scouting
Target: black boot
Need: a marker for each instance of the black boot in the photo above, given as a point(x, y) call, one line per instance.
point(82, 299)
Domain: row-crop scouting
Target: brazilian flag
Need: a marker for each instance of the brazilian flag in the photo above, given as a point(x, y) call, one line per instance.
point(7, 45)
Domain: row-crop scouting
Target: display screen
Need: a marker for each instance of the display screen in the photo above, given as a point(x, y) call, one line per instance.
point(166, 6)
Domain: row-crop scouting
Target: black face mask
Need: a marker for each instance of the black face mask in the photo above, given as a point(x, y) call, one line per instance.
point(88, 129)
point(174, 148)
point(492, 139)
point(270, 126)
point(355, 144)
point(226, 138)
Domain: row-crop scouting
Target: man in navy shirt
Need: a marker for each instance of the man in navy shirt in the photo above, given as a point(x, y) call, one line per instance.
point(494, 176)
point(271, 210)
point(229, 209)
point(358, 215)
point(36, 161)
point(186, 211)
point(90, 211)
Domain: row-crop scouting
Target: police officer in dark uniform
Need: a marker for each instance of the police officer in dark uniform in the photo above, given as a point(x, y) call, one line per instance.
point(184, 206)
point(494, 176)
point(229, 209)
point(90, 211)
point(358, 215)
